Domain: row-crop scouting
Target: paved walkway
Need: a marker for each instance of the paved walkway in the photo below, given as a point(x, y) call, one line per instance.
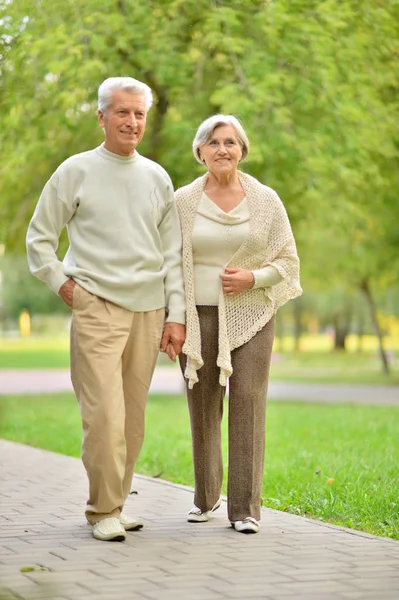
point(169, 380)
point(42, 496)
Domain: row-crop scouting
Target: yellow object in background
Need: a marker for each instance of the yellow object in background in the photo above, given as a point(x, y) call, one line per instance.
point(24, 323)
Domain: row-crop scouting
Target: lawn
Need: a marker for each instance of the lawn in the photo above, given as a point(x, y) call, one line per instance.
point(334, 367)
point(34, 353)
point(319, 365)
point(337, 463)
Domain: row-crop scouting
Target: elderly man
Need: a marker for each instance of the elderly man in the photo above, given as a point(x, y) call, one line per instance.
point(121, 276)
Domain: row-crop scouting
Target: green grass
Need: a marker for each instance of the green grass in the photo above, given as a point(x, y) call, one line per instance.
point(34, 353)
point(319, 366)
point(338, 463)
point(333, 367)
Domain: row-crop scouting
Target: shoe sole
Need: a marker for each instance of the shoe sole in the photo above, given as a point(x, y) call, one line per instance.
point(134, 527)
point(246, 530)
point(119, 537)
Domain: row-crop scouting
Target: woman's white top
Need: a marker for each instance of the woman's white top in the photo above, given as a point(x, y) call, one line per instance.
point(217, 235)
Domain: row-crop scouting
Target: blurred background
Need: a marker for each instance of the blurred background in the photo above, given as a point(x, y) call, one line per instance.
point(315, 84)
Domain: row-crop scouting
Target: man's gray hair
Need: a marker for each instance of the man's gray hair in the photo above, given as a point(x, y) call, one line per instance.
point(207, 127)
point(112, 84)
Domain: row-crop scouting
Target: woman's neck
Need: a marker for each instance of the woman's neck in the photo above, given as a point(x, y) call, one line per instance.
point(228, 181)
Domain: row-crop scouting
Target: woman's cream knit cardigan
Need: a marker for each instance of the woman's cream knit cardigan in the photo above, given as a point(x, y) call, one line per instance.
point(270, 242)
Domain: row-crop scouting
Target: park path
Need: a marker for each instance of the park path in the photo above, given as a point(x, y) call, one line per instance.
point(42, 527)
point(169, 380)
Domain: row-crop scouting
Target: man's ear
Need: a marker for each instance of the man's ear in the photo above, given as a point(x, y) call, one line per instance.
point(100, 118)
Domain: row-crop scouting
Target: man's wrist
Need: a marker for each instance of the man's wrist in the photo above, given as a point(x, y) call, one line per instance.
point(176, 317)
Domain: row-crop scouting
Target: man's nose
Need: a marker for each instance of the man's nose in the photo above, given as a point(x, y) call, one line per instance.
point(131, 120)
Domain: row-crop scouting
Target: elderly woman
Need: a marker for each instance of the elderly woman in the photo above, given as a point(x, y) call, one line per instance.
point(240, 264)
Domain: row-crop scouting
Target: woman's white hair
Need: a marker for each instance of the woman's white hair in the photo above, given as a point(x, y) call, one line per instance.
point(207, 127)
point(112, 84)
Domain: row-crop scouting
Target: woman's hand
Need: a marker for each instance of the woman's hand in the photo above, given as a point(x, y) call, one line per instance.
point(236, 281)
point(173, 338)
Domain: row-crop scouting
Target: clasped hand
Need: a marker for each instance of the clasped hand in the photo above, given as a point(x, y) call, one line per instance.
point(173, 339)
point(236, 281)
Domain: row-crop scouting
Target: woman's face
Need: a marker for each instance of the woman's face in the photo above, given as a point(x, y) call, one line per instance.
point(222, 152)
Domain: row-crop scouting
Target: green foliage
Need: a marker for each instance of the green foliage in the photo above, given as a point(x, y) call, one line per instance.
point(21, 291)
point(315, 84)
point(337, 463)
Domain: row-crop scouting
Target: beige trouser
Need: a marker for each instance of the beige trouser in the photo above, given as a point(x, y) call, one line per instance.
point(247, 413)
point(113, 356)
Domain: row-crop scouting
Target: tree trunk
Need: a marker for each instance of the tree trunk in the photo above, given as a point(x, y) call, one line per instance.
point(280, 333)
point(297, 307)
point(365, 287)
point(341, 322)
point(360, 332)
point(340, 334)
point(160, 109)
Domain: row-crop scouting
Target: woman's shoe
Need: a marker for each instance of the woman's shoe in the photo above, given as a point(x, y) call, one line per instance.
point(195, 515)
point(248, 525)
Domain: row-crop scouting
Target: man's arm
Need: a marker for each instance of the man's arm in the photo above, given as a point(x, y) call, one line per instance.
point(51, 215)
point(174, 332)
point(170, 234)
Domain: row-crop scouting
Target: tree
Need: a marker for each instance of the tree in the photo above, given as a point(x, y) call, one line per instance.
point(314, 82)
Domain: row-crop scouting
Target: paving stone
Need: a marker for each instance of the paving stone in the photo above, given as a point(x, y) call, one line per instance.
point(42, 522)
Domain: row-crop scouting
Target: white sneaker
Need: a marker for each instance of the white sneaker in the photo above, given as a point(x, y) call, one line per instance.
point(195, 515)
point(108, 530)
point(130, 524)
point(248, 525)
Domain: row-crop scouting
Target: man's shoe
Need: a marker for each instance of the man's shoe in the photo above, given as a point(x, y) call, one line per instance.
point(130, 524)
point(109, 530)
point(195, 515)
point(248, 525)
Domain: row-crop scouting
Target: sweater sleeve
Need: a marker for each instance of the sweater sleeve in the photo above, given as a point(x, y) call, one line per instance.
point(169, 230)
point(51, 215)
point(266, 277)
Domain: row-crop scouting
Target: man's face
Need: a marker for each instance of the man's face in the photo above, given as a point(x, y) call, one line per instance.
point(124, 123)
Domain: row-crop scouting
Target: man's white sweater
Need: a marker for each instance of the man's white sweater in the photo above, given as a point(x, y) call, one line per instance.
point(123, 229)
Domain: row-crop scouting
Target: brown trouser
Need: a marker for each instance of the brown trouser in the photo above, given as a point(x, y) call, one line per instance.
point(113, 356)
point(247, 414)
